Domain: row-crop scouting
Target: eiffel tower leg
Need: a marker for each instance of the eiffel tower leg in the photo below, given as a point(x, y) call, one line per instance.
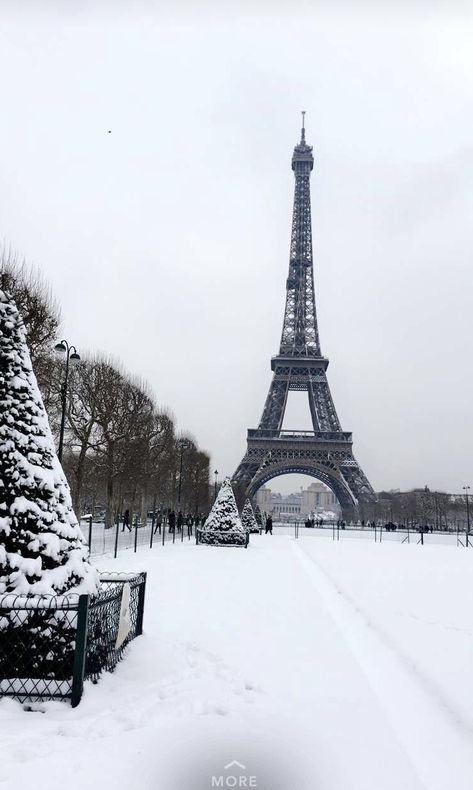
point(242, 479)
point(312, 407)
point(322, 409)
point(358, 484)
point(275, 406)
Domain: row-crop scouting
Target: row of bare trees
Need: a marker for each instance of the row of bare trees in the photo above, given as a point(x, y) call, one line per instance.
point(419, 507)
point(120, 450)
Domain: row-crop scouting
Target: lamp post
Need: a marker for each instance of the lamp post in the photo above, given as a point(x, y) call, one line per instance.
point(215, 484)
point(183, 445)
point(466, 489)
point(71, 355)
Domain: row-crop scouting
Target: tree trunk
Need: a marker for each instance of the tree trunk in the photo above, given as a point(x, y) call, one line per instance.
point(144, 505)
point(79, 478)
point(110, 470)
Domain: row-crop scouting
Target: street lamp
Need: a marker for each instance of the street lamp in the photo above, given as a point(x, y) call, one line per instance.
point(466, 489)
point(182, 445)
point(215, 485)
point(71, 355)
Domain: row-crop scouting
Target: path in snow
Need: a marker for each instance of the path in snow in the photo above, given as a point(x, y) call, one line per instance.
point(432, 731)
point(248, 655)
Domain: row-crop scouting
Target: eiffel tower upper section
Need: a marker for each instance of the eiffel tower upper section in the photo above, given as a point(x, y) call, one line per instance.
point(300, 364)
point(300, 336)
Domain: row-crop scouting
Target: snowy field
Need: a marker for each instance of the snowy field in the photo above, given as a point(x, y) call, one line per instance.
point(318, 665)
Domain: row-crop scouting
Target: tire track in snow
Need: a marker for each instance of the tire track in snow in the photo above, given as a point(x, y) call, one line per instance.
point(433, 734)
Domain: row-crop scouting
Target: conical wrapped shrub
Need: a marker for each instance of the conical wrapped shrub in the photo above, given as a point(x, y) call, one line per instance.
point(248, 519)
point(42, 549)
point(223, 526)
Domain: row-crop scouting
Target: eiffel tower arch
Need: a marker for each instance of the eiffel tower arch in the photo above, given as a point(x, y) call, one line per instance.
point(325, 452)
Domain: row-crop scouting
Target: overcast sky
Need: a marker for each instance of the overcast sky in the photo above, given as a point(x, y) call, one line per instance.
point(166, 242)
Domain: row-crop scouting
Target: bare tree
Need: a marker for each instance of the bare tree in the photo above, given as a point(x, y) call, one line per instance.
point(162, 459)
point(83, 407)
point(38, 308)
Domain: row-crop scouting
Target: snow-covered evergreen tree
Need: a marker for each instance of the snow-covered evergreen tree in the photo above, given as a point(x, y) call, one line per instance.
point(248, 518)
point(258, 516)
point(42, 549)
point(223, 526)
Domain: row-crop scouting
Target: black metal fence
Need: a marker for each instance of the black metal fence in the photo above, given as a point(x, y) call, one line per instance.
point(152, 534)
point(120, 536)
point(380, 532)
point(50, 644)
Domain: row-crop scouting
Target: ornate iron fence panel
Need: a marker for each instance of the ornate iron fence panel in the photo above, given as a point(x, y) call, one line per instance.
point(103, 618)
point(50, 644)
point(37, 646)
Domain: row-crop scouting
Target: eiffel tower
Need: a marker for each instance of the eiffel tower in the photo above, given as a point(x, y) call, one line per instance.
point(326, 452)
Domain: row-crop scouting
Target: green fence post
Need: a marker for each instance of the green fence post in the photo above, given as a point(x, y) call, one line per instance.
point(153, 519)
point(116, 536)
point(80, 650)
point(90, 533)
point(136, 532)
point(141, 607)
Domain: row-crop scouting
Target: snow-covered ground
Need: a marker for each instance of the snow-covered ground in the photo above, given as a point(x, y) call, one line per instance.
point(318, 665)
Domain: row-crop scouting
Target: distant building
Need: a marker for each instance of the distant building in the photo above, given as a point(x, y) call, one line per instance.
point(285, 508)
point(316, 499)
point(264, 499)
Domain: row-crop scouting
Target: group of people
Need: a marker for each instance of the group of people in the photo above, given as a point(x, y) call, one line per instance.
point(179, 521)
point(168, 516)
point(314, 522)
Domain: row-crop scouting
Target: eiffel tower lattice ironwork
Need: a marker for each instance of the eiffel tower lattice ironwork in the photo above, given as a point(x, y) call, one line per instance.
point(326, 452)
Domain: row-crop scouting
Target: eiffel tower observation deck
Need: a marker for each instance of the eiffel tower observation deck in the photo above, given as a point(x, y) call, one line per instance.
point(325, 452)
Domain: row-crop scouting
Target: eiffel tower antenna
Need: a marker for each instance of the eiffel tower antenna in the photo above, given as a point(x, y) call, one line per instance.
point(325, 452)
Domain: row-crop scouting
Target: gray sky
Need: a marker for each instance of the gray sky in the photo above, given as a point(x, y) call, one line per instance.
point(167, 241)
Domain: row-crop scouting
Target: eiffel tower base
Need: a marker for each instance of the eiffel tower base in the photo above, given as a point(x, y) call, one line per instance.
point(323, 455)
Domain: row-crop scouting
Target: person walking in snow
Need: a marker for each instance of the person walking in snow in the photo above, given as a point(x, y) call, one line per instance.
point(126, 520)
point(180, 521)
point(171, 521)
point(269, 525)
point(189, 523)
point(159, 521)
